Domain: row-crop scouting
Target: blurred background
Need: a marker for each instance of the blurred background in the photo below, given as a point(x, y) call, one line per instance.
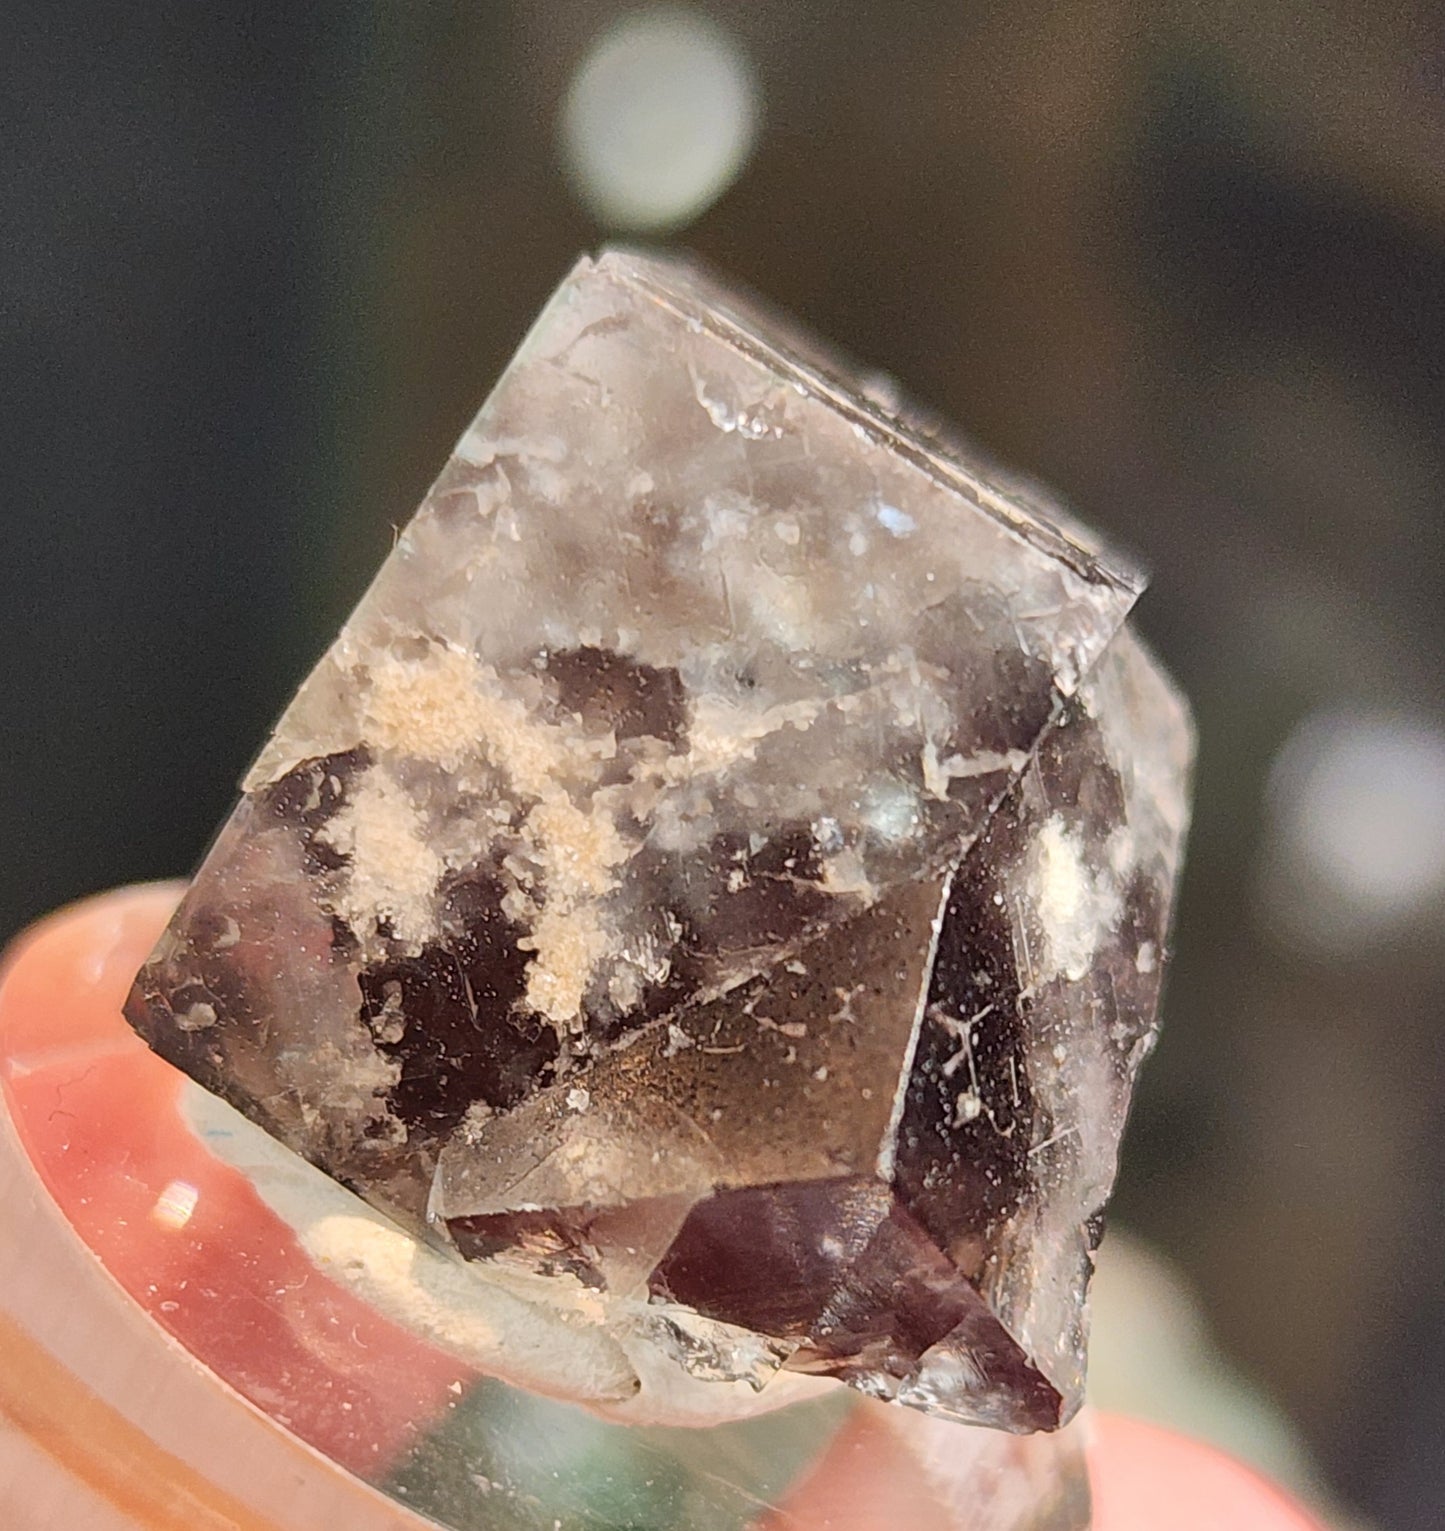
point(260, 263)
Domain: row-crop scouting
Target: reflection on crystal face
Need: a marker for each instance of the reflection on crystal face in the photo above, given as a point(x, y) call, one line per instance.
point(720, 872)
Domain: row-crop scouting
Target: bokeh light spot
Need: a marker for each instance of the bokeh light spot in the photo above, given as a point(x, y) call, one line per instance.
point(659, 118)
point(1355, 843)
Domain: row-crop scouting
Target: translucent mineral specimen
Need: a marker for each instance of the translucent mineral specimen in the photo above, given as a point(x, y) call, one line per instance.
point(723, 866)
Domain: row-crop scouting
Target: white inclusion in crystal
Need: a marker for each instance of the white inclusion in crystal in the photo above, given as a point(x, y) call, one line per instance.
point(1076, 907)
point(897, 523)
point(659, 118)
point(728, 516)
point(890, 809)
point(728, 417)
point(717, 410)
point(829, 835)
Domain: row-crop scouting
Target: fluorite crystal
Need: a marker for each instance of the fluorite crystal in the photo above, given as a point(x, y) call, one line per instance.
point(723, 867)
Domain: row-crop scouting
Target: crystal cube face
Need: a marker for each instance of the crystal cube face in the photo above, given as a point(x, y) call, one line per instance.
point(719, 877)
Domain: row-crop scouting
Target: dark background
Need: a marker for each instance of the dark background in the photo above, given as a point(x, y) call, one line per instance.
point(259, 264)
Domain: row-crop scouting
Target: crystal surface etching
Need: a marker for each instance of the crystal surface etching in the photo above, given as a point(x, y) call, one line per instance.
point(721, 869)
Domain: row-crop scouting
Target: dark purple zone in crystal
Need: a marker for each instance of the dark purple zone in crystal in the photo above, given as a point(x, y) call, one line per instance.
point(958, 1175)
point(465, 1039)
point(842, 1267)
point(614, 694)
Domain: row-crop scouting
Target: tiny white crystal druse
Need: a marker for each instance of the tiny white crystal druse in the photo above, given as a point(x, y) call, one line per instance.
point(715, 885)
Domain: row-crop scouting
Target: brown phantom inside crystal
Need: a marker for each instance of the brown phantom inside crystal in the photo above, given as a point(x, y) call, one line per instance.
point(723, 865)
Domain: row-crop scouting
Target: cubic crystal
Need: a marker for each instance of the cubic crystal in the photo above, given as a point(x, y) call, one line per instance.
point(723, 866)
